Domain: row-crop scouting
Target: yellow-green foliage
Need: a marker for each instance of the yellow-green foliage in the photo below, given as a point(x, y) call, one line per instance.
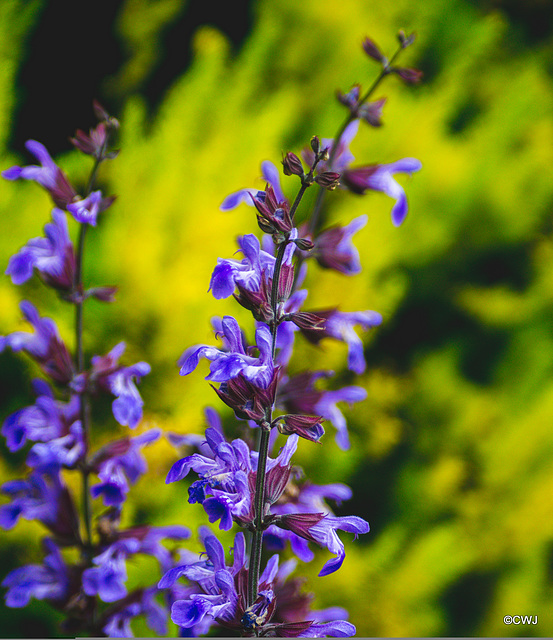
point(452, 456)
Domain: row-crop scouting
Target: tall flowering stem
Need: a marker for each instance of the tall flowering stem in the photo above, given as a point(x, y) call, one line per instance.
point(90, 591)
point(84, 410)
point(253, 488)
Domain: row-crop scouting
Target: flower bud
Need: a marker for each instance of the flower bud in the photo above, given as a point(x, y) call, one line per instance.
point(292, 165)
point(308, 427)
point(410, 76)
point(328, 179)
point(404, 40)
point(306, 320)
point(351, 98)
point(371, 112)
point(315, 144)
point(304, 244)
point(372, 50)
point(104, 294)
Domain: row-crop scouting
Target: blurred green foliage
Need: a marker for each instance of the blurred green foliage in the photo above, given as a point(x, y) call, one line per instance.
point(452, 456)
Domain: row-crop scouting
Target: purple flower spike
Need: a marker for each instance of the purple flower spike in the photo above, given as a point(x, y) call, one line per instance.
point(48, 175)
point(52, 256)
point(381, 178)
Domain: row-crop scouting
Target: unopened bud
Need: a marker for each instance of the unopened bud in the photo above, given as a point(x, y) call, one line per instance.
point(410, 76)
point(308, 321)
point(372, 50)
point(404, 40)
point(328, 179)
point(105, 294)
point(371, 112)
point(292, 165)
point(304, 244)
point(315, 144)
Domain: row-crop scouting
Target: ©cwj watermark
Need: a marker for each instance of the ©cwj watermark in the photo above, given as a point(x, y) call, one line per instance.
point(520, 619)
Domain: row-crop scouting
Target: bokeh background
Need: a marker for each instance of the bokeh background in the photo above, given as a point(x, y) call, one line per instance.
point(452, 452)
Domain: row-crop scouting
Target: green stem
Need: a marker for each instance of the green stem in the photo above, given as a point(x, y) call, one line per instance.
point(259, 501)
point(84, 408)
point(265, 429)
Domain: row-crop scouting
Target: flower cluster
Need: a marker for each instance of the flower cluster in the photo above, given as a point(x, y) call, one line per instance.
point(248, 487)
point(255, 489)
point(57, 428)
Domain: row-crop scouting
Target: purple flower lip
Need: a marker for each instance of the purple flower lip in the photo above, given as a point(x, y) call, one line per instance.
point(44, 345)
point(47, 175)
point(52, 256)
point(381, 178)
point(228, 364)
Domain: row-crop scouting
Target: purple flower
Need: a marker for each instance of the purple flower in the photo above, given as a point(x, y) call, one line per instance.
point(218, 597)
point(86, 210)
point(48, 175)
point(299, 395)
point(43, 421)
point(52, 256)
point(308, 501)
point(121, 382)
point(220, 593)
point(44, 345)
point(119, 463)
point(64, 451)
point(107, 579)
point(340, 325)
point(223, 477)
point(118, 624)
point(48, 581)
point(270, 175)
point(322, 530)
point(334, 248)
point(381, 178)
point(43, 497)
point(335, 629)
point(140, 602)
point(247, 273)
point(228, 364)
